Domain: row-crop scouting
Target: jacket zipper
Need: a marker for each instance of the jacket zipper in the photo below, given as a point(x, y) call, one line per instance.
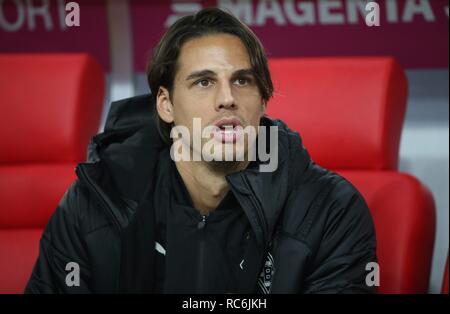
point(201, 254)
point(263, 223)
point(261, 220)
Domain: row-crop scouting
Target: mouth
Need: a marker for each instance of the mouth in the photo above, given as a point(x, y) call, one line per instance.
point(228, 130)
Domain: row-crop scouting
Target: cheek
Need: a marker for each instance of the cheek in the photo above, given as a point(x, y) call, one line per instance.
point(183, 108)
point(187, 112)
point(255, 111)
point(190, 105)
point(251, 99)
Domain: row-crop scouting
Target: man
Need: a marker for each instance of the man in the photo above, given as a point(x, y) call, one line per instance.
point(138, 219)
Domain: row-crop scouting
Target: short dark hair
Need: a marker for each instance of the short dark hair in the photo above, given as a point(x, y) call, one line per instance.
point(163, 65)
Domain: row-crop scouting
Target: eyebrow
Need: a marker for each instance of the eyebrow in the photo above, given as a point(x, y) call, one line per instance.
point(244, 72)
point(206, 72)
point(201, 73)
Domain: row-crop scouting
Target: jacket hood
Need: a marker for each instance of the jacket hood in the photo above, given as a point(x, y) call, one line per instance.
point(130, 145)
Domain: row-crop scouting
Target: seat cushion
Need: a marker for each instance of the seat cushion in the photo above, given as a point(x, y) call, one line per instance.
point(30, 193)
point(18, 252)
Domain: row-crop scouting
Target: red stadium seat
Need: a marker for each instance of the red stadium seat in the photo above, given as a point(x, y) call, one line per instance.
point(350, 113)
point(51, 106)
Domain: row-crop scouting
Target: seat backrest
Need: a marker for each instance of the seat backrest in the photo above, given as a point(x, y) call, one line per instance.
point(51, 106)
point(349, 112)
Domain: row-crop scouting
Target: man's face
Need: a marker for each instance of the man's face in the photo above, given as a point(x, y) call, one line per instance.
point(214, 82)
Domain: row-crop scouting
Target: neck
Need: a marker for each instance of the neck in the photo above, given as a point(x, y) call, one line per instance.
point(205, 181)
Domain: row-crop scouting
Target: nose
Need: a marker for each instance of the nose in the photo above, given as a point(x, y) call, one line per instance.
point(224, 97)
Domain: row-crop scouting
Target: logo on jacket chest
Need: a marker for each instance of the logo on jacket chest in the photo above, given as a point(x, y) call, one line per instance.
point(266, 276)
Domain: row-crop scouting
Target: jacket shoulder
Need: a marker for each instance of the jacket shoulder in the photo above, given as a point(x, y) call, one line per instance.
point(79, 207)
point(130, 112)
point(320, 199)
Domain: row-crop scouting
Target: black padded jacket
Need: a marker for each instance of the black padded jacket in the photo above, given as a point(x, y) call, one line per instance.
point(312, 230)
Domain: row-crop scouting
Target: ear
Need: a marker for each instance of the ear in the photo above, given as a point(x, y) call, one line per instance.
point(164, 105)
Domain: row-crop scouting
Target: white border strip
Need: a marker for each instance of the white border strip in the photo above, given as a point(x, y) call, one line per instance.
point(120, 49)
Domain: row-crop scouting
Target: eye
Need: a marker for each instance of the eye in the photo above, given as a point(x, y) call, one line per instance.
point(203, 83)
point(241, 81)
